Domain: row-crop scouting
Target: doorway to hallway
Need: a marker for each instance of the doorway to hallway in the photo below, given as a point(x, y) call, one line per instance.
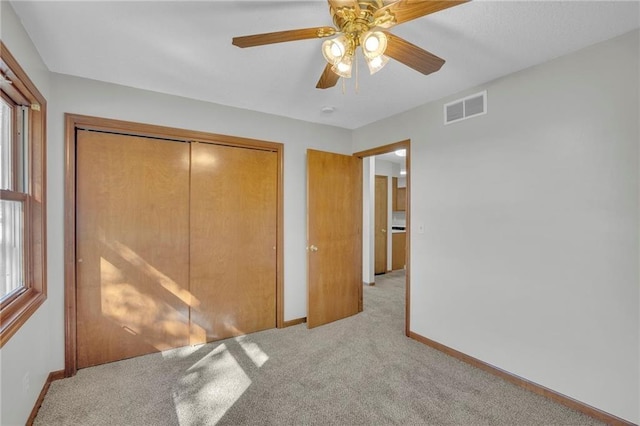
point(386, 233)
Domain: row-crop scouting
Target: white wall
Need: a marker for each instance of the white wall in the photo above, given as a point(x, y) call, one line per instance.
point(529, 260)
point(38, 348)
point(88, 97)
point(26, 356)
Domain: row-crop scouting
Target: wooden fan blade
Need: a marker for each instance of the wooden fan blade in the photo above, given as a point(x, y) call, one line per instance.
point(411, 55)
point(328, 78)
point(282, 36)
point(408, 10)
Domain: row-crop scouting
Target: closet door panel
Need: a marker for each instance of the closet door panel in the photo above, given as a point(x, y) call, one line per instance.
point(132, 242)
point(233, 241)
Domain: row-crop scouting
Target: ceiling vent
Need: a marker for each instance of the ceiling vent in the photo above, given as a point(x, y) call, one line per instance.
point(464, 108)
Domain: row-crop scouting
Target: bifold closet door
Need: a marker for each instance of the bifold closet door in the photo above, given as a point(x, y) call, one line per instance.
point(233, 241)
point(132, 244)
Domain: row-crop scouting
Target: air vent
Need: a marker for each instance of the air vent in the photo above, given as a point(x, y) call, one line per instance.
point(464, 108)
point(454, 112)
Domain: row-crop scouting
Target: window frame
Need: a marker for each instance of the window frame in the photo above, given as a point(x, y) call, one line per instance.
point(16, 309)
point(24, 199)
point(14, 131)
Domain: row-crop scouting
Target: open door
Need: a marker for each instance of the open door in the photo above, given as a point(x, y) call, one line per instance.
point(334, 237)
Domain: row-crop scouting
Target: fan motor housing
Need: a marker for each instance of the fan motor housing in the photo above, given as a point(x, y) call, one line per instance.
point(349, 22)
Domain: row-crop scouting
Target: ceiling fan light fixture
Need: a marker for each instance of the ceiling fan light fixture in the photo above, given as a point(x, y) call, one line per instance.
point(373, 43)
point(335, 49)
point(362, 24)
point(377, 63)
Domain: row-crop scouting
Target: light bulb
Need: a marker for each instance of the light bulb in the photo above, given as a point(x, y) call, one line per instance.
point(373, 43)
point(343, 68)
point(337, 50)
point(377, 63)
point(334, 50)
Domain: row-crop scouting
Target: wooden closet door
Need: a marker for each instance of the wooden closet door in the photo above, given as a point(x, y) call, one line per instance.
point(233, 241)
point(132, 242)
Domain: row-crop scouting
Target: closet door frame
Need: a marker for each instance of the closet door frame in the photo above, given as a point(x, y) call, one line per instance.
point(74, 122)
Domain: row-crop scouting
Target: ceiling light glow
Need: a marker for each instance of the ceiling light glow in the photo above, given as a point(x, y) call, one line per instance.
point(343, 68)
point(373, 43)
point(335, 49)
point(376, 64)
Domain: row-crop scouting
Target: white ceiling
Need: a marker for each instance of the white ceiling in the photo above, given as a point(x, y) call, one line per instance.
point(184, 48)
point(392, 158)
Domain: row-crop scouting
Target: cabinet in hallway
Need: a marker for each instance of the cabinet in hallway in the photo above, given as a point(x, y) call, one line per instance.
point(399, 197)
point(399, 251)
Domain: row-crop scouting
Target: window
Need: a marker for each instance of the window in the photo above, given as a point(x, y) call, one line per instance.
point(22, 197)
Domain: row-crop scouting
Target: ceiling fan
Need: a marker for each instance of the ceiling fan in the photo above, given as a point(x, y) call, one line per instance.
point(362, 23)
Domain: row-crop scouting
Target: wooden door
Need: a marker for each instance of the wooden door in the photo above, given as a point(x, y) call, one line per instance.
point(132, 242)
point(334, 236)
point(233, 241)
point(381, 202)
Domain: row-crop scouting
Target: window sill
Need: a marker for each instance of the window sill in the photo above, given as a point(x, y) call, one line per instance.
point(17, 313)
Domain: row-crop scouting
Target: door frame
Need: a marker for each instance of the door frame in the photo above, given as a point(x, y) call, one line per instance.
point(385, 149)
point(74, 122)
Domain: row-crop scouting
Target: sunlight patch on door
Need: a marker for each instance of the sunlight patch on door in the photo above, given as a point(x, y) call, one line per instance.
point(151, 272)
point(153, 321)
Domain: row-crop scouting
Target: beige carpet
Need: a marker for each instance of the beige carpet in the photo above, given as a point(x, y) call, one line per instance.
point(361, 370)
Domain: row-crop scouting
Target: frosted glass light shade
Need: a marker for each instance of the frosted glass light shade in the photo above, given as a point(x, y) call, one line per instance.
point(377, 63)
point(335, 49)
point(343, 67)
point(373, 43)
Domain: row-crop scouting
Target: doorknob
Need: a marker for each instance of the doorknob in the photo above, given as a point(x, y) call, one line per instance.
point(313, 248)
